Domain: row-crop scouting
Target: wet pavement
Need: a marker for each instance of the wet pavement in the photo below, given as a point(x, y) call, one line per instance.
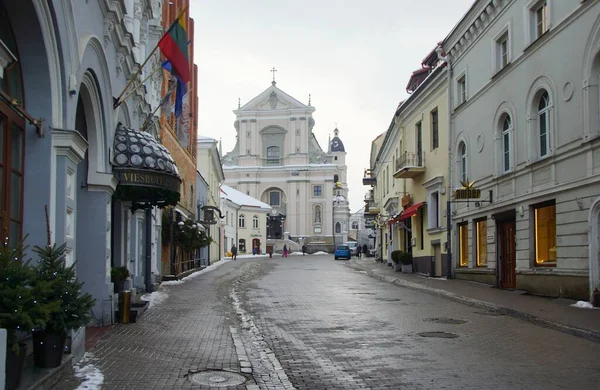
point(314, 323)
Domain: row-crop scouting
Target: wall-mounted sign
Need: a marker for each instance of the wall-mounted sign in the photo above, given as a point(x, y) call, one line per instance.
point(468, 191)
point(148, 179)
point(406, 200)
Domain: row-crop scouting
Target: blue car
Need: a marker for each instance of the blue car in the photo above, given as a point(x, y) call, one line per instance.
point(343, 251)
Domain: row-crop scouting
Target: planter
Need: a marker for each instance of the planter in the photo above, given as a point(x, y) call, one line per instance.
point(397, 267)
point(14, 367)
point(48, 348)
point(407, 268)
point(118, 286)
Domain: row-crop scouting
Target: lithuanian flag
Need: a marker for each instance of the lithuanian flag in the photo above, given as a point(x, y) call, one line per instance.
point(174, 46)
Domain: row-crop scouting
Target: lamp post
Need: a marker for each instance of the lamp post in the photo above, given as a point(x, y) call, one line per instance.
point(338, 198)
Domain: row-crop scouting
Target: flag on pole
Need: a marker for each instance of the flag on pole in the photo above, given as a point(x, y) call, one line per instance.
point(181, 88)
point(174, 46)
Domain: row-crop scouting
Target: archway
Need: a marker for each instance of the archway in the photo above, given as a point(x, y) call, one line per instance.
point(594, 248)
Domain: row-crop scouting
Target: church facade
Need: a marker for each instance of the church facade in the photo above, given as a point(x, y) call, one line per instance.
point(278, 160)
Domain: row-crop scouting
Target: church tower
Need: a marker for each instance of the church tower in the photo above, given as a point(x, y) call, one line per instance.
point(341, 206)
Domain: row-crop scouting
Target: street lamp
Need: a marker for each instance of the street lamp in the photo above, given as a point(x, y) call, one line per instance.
point(338, 199)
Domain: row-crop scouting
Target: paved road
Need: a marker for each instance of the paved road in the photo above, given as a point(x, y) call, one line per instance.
point(315, 323)
point(333, 327)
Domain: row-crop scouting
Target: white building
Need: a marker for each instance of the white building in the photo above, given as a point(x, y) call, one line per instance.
point(525, 108)
point(245, 221)
point(278, 160)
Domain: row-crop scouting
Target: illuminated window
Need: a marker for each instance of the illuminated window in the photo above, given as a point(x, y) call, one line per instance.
point(481, 229)
point(545, 235)
point(463, 249)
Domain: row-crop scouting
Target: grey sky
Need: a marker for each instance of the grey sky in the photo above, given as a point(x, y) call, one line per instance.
point(354, 58)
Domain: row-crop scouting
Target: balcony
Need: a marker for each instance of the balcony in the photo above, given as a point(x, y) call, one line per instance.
point(371, 208)
point(369, 178)
point(271, 161)
point(410, 165)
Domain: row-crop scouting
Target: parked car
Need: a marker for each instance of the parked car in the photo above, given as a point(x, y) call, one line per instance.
point(343, 251)
point(353, 245)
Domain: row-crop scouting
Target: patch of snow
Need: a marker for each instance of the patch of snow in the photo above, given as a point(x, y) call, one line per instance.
point(154, 298)
point(583, 305)
point(205, 270)
point(321, 253)
point(172, 282)
point(92, 377)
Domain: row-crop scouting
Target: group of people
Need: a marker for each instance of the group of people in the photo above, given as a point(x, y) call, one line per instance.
point(359, 251)
point(362, 249)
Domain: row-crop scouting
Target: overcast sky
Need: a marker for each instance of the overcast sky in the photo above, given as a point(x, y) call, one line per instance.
point(353, 56)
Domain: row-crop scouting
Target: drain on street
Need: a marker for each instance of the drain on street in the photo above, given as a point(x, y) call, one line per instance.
point(439, 335)
point(445, 320)
point(217, 378)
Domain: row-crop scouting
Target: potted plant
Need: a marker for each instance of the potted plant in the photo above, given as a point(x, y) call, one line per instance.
point(396, 255)
point(118, 275)
point(406, 261)
point(20, 311)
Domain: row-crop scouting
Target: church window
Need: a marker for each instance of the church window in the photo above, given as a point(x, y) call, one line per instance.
point(318, 191)
point(242, 221)
point(335, 158)
point(248, 134)
point(273, 155)
point(317, 214)
point(297, 192)
point(354, 225)
point(274, 198)
point(338, 227)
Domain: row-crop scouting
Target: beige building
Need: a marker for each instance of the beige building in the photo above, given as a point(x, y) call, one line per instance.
point(245, 221)
point(209, 165)
point(278, 160)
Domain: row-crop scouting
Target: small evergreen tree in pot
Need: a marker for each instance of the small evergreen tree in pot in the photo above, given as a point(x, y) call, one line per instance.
point(396, 256)
point(118, 275)
point(406, 260)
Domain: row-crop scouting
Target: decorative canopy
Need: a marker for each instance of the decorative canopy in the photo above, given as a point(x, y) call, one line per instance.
point(147, 174)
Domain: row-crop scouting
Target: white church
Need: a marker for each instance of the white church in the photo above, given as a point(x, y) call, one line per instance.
point(278, 160)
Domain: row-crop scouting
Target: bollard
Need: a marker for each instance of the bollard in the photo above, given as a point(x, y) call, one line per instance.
point(125, 306)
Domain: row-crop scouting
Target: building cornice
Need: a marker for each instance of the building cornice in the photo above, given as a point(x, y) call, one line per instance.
point(69, 143)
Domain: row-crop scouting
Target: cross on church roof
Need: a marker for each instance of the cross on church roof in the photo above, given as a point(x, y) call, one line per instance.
point(273, 71)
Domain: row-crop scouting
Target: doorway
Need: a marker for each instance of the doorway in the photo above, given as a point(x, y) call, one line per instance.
point(256, 244)
point(437, 260)
point(507, 253)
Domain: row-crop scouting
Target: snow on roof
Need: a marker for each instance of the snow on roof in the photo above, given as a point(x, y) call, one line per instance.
point(241, 199)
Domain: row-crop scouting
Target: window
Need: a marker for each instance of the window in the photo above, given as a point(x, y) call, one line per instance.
point(354, 225)
point(435, 140)
point(433, 210)
point(317, 218)
point(461, 89)
point(273, 155)
point(545, 235)
point(462, 153)
point(242, 245)
point(463, 245)
point(274, 198)
point(541, 19)
point(502, 50)
point(255, 222)
point(248, 134)
point(242, 221)
point(481, 242)
point(506, 143)
point(338, 227)
point(318, 191)
point(543, 124)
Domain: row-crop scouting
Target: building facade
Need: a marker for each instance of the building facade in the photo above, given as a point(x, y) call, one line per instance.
point(202, 195)
point(278, 160)
point(209, 166)
point(246, 222)
point(526, 130)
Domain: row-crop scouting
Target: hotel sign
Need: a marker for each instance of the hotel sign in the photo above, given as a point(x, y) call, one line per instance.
point(467, 191)
point(148, 179)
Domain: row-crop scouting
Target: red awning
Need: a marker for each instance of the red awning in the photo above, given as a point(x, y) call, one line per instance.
point(410, 211)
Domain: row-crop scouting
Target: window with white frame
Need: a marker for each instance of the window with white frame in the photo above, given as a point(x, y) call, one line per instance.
point(317, 191)
point(317, 215)
point(507, 134)
point(242, 221)
point(543, 124)
point(274, 198)
point(502, 50)
point(354, 225)
point(461, 89)
point(462, 161)
point(539, 18)
point(255, 222)
point(433, 210)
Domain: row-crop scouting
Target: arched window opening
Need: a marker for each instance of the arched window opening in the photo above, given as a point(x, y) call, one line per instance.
point(354, 225)
point(255, 222)
point(242, 245)
point(543, 122)
point(317, 218)
point(338, 227)
point(242, 221)
point(507, 128)
point(462, 152)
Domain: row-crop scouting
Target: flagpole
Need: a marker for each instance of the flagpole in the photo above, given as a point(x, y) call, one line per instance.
point(150, 116)
point(118, 101)
point(141, 83)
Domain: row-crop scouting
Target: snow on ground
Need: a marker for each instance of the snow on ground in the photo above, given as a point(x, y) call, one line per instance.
point(154, 298)
point(92, 377)
point(583, 305)
point(321, 253)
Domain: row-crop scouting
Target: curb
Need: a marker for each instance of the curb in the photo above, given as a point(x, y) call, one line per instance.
point(531, 318)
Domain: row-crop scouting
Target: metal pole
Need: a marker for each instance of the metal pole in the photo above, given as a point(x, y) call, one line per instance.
point(171, 241)
point(148, 265)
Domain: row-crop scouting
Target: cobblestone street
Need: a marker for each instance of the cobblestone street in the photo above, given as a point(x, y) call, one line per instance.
point(315, 323)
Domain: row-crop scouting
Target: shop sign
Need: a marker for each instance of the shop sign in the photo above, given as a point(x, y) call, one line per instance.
point(406, 200)
point(468, 191)
point(149, 179)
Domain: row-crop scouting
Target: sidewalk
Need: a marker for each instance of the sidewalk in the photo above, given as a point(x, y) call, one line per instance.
point(555, 313)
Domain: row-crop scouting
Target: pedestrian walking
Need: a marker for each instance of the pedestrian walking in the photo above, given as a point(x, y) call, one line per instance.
point(358, 251)
point(303, 250)
point(365, 249)
point(234, 252)
point(285, 251)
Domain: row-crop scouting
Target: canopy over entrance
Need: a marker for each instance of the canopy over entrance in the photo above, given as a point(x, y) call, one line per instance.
point(146, 171)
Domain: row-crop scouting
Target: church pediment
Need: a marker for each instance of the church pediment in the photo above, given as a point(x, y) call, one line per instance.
point(273, 99)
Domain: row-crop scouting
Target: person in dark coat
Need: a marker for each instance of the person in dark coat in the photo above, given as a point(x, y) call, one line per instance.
point(365, 249)
point(358, 251)
point(234, 252)
point(303, 250)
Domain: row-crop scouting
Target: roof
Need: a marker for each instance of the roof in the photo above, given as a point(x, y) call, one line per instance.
point(241, 199)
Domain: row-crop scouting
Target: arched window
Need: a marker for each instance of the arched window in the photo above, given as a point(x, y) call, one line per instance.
point(255, 222)
point(242, 245)
point(507, 130)
point(462, 154)
point(354, 225)
point(338, 227)
point(317, 218)
point(543, 124)
point(242, 221)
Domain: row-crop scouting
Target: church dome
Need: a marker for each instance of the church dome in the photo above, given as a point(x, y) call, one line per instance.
point(336, 143)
